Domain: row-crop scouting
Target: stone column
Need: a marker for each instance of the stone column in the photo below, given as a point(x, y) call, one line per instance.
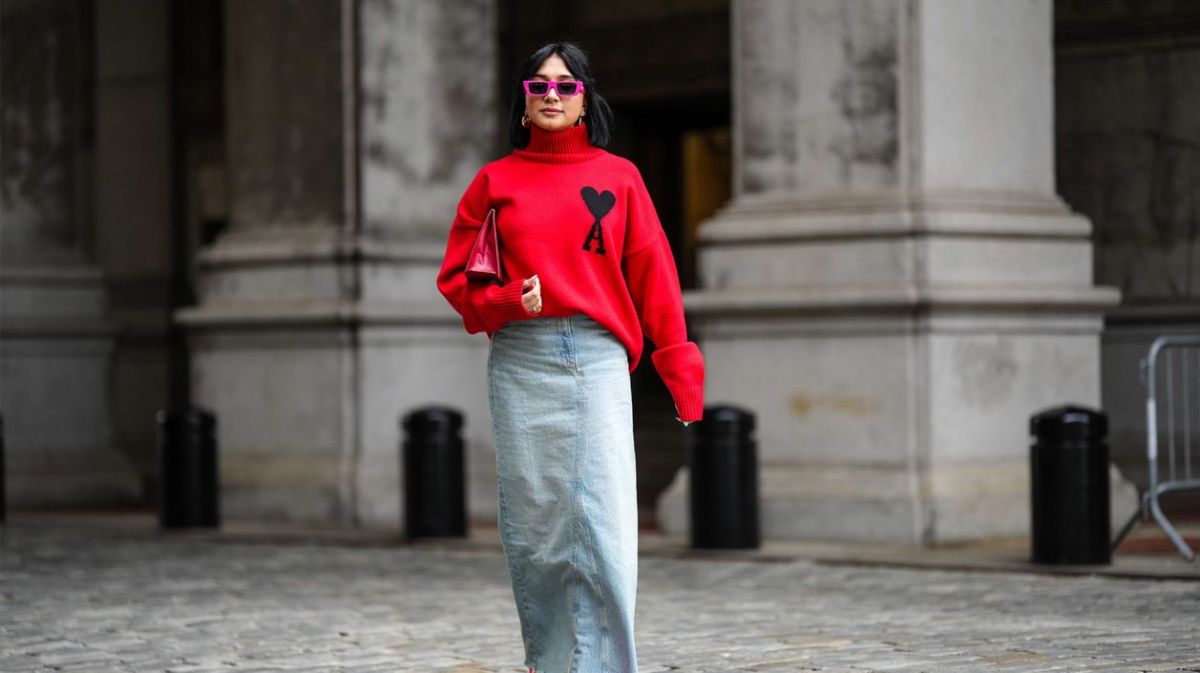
point(353, 126)
point(895, 287)
point(58, 334)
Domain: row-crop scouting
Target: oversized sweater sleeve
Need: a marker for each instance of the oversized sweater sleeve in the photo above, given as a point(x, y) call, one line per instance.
point(653, 283)
point(484, 306)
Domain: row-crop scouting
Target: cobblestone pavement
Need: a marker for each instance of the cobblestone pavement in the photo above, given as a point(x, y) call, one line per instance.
point(81, 601)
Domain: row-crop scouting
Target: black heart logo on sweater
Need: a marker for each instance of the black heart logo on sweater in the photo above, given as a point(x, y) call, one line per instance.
point(599, 205)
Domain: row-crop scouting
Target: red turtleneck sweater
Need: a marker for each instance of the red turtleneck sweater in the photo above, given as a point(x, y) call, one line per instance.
point(581, 219)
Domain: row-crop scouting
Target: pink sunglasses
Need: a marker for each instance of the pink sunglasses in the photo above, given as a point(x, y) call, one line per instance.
point(538, 87)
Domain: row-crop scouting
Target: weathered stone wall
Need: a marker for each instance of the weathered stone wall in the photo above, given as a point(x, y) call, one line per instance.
point(285, 131)
point(56, 358)
point(45, 129)
point(428, 112)
point(826, 114)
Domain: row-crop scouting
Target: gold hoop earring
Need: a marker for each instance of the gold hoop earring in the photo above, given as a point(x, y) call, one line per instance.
point(579, 121)
point(525, 120)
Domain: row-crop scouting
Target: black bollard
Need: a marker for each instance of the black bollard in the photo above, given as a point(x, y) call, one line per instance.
point(724, 481)
point(1069, 505)
point(187, 459)
point(434, 473)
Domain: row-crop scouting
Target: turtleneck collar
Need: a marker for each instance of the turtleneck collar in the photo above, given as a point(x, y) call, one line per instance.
point(563, 146)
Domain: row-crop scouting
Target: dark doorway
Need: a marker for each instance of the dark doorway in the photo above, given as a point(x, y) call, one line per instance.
point(681, 148)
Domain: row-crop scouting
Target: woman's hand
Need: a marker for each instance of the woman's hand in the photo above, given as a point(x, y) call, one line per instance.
point(531, 295)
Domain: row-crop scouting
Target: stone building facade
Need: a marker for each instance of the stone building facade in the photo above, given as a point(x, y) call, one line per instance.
point(903, 226)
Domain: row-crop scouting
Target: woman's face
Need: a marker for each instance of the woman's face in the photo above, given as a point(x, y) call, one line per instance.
point(553, 112)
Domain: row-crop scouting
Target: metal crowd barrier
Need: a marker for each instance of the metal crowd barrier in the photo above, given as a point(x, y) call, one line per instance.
point(1173, 423)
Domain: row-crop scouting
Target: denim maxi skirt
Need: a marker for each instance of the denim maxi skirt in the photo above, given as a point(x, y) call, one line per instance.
point(562, 417)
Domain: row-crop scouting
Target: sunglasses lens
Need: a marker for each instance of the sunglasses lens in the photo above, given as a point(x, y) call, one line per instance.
point(538, 88)
point(567, 88)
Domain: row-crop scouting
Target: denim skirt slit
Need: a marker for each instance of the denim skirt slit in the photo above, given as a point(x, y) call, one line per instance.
point(562, 419)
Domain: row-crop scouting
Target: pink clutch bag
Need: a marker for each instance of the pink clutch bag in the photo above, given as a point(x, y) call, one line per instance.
point(484, 262)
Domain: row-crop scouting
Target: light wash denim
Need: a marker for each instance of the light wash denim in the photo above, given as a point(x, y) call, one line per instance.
point(562, 417)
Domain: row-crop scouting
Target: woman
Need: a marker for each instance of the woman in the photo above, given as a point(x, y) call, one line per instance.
point(589, 267)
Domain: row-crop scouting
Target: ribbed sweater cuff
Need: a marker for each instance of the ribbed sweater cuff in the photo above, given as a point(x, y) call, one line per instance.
point(506, 302)
point(681, 367)
point(689, 402)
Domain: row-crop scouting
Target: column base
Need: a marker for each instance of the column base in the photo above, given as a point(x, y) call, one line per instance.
point(90, 477)
point(309, 387)
point(57, 388)
point(886, 505)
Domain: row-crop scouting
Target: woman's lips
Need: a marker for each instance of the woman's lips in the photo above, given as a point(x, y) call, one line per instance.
point(551, 113)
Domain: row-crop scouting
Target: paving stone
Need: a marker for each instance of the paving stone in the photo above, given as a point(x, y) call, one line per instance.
point(84, 602)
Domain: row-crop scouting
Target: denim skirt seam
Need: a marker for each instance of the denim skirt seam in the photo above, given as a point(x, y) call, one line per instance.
point(521, 591)
point(588, 567)
point(576, 486)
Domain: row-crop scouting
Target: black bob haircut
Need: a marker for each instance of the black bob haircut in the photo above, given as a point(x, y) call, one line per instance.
point(599, 117)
